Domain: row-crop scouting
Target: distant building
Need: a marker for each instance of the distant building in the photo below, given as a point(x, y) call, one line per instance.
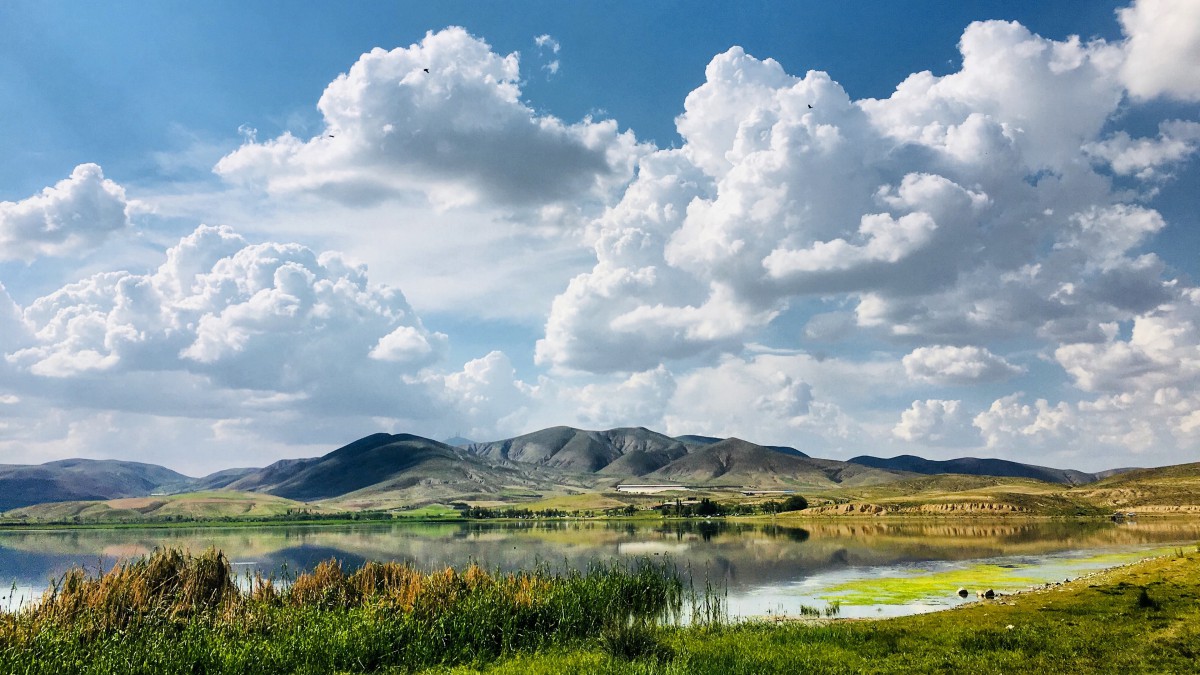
point(651, 488)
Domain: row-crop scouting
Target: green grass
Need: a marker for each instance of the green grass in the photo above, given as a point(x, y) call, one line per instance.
point(921, 585)
point(175, 613)
point(158, 508)
point(172, 613)
point(430, 512)
point(1139, 619)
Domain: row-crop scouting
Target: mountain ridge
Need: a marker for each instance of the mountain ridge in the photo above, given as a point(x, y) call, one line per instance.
point(975, 466)
point(397, 468)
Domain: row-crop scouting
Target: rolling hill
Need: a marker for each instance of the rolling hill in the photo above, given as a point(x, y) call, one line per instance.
point(565, 463)
point(700, 441)
point(734, 461)
point(82, 479)
point(387, 467)
point(192, 505)
point(972, 466)
point(1164, 489)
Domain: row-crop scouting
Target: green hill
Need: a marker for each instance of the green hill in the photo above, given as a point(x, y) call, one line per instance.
point(82, 479)
point(192, 505)
point(400, 468)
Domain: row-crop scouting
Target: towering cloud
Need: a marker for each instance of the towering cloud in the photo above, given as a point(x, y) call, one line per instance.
point(961, 208)
point(1162, 45)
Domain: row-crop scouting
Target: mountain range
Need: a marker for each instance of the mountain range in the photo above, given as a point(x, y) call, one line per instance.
point(383, 470)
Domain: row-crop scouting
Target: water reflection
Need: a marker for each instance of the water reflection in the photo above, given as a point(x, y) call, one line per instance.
point(771, 560)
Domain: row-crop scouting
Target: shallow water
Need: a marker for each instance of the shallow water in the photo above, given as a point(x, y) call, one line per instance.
point(872, 569)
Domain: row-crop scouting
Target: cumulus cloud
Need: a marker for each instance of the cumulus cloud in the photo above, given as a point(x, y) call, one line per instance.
point(639, 400)
point(1163, 350)
point(1009, 423)
point(634, 309)
point(1162, 45)
point(76, 213)
point(959, 209)
point(270, 317)
point(1147, 157)
point(937, 422)
point(783, 399)
point(945, 364)
point(489, 401)
point(1136, 427)
point(458, 134)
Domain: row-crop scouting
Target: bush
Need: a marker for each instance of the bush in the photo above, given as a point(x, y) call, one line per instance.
point(795, 503)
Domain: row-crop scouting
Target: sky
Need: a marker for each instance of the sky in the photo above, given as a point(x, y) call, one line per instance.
point(235, 232)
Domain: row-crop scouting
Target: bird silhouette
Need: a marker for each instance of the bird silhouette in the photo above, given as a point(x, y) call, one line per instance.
point(426, 69)
point(810, 106)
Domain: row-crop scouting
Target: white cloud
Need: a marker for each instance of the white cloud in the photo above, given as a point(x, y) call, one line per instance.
point(275, 317)
point(639, 400)
point(1163, 350)
point(545, 43)
point(1162, 47)
point(489, 401)
point(960, 209)
point(1008, 423)
point(937, 422)
point(949, 365)
point(76, 213)
point(780, 399)
point(1132, 428)
point(1145, 157)
point(634, 309)
point(459, 134)
point(13, 332)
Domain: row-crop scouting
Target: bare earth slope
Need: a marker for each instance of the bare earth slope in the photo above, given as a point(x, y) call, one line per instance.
point(631, 451)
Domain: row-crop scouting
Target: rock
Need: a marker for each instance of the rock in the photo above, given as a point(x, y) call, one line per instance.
point(962, 592)
point(989, 594)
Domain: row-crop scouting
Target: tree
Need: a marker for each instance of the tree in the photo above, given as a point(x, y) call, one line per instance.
point(795, 503)
point(707, 507)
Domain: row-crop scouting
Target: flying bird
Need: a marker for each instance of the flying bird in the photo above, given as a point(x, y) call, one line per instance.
point(810, 106)
point(426, 70)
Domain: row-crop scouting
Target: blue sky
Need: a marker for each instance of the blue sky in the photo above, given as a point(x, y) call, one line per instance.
point(232, 232)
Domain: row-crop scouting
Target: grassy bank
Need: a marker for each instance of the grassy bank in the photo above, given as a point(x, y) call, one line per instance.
point(171, 613)
point(174, 613)
point(1143, 618)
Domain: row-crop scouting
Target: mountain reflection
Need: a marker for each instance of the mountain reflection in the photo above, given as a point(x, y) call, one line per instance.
point(742, 555)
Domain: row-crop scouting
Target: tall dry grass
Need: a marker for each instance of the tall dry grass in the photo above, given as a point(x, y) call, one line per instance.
point(176, 612)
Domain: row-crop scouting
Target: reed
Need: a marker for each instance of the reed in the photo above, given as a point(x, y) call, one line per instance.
point(175, 612)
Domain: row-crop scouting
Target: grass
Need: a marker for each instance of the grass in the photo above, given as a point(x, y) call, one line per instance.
point(171, 612)
point(922, 584)
point(161, 508)
point(1144, 618)
point(429, 512)
point(175, 613)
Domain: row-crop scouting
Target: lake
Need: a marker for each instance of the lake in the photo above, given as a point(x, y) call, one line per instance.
point(869, 568)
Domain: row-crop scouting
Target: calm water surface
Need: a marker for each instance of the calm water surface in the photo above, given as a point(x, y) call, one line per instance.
point(871, 569)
